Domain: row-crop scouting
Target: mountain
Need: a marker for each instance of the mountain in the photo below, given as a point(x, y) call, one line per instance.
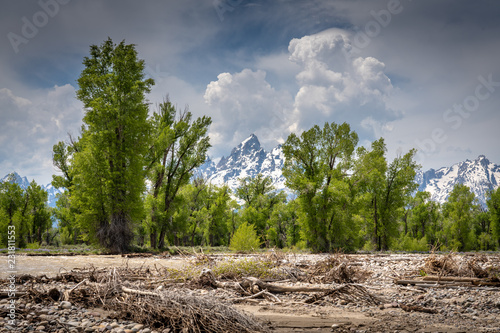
point(248, 159)
point(24, 183)
point(480, 175)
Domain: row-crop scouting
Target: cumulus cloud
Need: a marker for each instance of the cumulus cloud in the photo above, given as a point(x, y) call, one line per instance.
point(243, 103)
point(334, 85)
point(331, 86)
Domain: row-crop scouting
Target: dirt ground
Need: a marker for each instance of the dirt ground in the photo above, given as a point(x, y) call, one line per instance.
point(451, 308)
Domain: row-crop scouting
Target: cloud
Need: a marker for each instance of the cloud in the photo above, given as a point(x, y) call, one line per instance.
point(30, 127)
point(334, 86)
point(330, 86)
point(245, 103)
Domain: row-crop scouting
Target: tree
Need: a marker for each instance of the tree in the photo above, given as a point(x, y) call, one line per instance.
point(493, 204)
point(39, 212)
point(398, 187)
point(11, 195)
point(64, 212)
point(425, 219)
point(367, 184)
point(11, 200)
point(108, 171)
point(260, 199)
point(179, 146)
point(458, 213)
point(317, 168)
point(284, 225)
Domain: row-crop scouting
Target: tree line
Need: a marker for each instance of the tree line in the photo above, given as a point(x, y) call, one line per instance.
point(129, 181)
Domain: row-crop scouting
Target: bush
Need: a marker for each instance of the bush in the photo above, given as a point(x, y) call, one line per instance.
point(411, 244)
point(245, 239)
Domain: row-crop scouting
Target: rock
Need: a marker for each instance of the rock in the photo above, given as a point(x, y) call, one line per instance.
point(65, 305)
point(138, 327)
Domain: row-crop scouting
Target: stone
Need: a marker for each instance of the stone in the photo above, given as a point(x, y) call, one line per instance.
point(65, 305)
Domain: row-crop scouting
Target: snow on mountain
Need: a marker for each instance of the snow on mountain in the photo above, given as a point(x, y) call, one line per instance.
point(24, 184)
point(248, 159)
point(480, 175)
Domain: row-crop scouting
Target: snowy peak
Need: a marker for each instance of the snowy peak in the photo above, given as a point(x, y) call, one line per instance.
point(22, 181)
point(248, 159)
point(480, 175)
point(248, 154)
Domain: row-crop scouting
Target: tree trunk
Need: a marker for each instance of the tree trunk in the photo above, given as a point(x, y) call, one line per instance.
point(152, 238)
point(161, 242)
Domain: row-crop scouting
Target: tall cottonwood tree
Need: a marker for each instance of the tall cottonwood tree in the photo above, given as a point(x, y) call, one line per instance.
point(179, 145)
point(108, 171)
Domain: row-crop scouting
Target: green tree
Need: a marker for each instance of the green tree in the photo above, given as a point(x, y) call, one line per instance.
point(108, 171)
point(317, 168)
point(367, 186)
point(398, 187)
point(425, 218)
point(493, 203)
point(39, 212)
point(179, 146)
point(284, 223)
point(11, 195)
point(245, 239)
point(458, 212)
point(11, 200)
point(64, 212)
point(260, 199)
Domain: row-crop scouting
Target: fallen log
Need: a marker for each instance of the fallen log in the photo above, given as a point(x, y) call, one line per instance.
point(251, 286)
point(254, 285)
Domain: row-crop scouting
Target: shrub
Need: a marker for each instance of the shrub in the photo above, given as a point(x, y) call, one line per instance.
point(245, 239)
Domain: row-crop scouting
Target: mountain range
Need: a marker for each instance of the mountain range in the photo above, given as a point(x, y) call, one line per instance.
point(248, 159)
point(480, 175)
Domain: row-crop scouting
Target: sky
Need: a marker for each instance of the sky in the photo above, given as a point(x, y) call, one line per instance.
point(422, 74)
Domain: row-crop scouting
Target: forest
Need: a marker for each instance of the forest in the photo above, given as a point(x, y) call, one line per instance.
point(129, 184)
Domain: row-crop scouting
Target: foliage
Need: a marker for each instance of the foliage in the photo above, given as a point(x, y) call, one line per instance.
point(494, 211)
point(179, 145)
point(245, 239)
point(27, 210)
point(106, 171)
point(260, 202)
point(458, 214)
point(316, 168)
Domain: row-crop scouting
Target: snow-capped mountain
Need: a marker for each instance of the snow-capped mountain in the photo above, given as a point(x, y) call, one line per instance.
point(248, 159)
point(480, 175)
point(24, 184)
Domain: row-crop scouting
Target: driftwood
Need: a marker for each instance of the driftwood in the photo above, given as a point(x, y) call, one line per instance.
point(253, 287)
